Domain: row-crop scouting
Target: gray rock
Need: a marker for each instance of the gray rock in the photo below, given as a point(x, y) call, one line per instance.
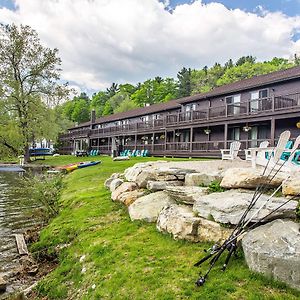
point(110, 179)
point(147, 208)
point(3, 284)
point(228, 207)
point(186, 194)
point(291, 186)
point(274, 250)
point(180, 221)
point(115, 184)
point(128, 198)
point(155, 186)
point(124, 187)
point(204, 178)
point(249, 178)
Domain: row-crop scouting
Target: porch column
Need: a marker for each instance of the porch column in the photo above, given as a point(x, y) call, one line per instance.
point(165, 147)
point(272, 132)
point(225, 135)
point(152, 146)
point(191, 139)
point(135, 140)
point(108, 144)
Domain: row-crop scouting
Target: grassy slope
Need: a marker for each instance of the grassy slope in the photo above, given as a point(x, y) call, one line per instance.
point(130, 260)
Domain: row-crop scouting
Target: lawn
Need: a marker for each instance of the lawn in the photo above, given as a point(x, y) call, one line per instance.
point(109, 257)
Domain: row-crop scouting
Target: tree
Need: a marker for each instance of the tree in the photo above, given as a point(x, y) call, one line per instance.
point(112, 90)
point(29, 74)
point(184, 78)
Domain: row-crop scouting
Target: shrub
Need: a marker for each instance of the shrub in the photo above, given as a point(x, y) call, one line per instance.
point(215, 187)
point(45, 191)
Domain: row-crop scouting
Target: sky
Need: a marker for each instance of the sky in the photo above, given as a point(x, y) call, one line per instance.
point(130, 41)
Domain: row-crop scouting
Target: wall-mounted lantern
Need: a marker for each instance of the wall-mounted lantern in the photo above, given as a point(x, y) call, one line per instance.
point(298, 124)
point(207, 131)
point(247, 128)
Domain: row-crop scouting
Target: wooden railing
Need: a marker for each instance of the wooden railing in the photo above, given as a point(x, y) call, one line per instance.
point(267, 105)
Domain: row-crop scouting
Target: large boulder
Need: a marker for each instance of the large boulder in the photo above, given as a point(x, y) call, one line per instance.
point(274, 250)
point(180, 221)
point(132, 173)
point(115, 184)
point(186, 194)
point(128, 198)
point(124, 187)
point(147, 208)
point(110, 179)
point(161, 174)
point(249, 178)
point(229, 206)
point(155, 186)
point(202, 179)
point(291, 186)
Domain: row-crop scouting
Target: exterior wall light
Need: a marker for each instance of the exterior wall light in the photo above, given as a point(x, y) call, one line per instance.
point(207, 131)
point(246, 128)
point(298, 124)
point(177, 133)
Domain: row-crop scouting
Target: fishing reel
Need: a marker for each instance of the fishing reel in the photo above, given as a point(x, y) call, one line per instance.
point(200, 281)
point(212, 249)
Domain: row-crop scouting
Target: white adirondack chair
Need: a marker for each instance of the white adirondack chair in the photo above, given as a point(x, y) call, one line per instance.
point(232, 152)
point(248, 155)
point(273, 159)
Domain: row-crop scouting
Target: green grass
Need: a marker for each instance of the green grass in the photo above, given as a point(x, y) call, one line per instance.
point(130, 260)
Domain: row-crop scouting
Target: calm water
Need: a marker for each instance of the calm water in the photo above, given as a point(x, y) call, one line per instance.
point(14, 218)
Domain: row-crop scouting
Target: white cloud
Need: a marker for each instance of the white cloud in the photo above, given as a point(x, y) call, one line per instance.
point(104, 41)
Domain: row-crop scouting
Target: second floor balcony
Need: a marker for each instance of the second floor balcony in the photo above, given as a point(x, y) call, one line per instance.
point(262, 106)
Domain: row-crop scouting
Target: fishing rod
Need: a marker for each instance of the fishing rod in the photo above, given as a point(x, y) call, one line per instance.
point(230, 243)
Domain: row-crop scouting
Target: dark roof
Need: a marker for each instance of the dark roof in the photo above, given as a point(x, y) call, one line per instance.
point(151, 109)
point(250, 83)
point(253, 82)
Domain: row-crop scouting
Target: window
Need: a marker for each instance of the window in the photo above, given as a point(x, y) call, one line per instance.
point(233, 103)
point(256, 102)
point(145, 118)
point(235, 134)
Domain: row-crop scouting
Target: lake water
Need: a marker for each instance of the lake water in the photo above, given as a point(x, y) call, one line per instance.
point(14, 218)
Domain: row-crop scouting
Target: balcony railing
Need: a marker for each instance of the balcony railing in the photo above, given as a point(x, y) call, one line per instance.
point(267, 105)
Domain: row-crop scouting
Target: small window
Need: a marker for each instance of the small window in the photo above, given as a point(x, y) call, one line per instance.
point(263, 93)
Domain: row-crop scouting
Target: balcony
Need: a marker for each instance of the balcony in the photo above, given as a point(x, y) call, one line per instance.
point(263, 106)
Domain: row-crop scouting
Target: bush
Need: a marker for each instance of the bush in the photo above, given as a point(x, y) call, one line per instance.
point(45, 191)
point(215, 187)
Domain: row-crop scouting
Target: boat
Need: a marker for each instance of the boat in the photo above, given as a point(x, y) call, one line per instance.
point(69, 167)
point(88, 164)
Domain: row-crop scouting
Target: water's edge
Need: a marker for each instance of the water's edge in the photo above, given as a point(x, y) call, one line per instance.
point(15, 217)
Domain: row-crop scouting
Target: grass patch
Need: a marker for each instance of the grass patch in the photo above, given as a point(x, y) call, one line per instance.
point(130, 260)
point(215, 187)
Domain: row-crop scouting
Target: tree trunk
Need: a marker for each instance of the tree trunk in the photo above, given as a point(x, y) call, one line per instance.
point(26, 153)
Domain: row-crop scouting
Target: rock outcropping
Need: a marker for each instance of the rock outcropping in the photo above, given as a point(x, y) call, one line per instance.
point(228, 207)
point(147, 208)
point(181, 222)
point(274, 250)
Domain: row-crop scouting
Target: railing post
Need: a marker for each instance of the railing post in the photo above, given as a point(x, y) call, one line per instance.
point(273, 102)
point(191, 139)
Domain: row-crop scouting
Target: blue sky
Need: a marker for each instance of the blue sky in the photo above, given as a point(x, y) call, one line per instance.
point(289, 7)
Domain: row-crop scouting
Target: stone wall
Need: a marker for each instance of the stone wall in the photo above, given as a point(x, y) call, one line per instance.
point(176, 197)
